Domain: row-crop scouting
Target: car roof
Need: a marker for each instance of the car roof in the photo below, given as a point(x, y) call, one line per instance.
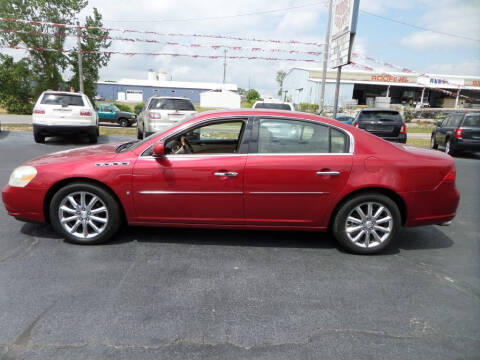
point(170, 97)
point(62, 92)
point(376, 109)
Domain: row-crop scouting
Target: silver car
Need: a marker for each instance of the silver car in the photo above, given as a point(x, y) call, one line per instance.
point(161, 112)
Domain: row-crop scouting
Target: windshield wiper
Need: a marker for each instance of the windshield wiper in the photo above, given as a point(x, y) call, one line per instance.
point(125, 146)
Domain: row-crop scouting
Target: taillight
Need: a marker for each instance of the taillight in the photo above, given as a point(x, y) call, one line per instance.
point(459, 133)
point(356, 124)
point(153, 115)
point(403, 129)
point(39, 111)
point(85, 113)
point(451, 175)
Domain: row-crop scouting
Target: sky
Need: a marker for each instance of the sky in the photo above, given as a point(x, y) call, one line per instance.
point(403, 45)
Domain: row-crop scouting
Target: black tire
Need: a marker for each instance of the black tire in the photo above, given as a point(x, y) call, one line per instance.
point(340, 222)
point(93, 138)
point(98, 131)
point(38, 137)
point(449, 148)
point(433, 143)
point(114, 213)
point(139, 134)
point(123, 122)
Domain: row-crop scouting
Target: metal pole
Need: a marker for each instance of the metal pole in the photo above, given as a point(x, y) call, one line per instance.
point(423, 93)
point(388, 90)
point(80, 62)
point(337, 91)
point(225, 65)
point(456, 100)
point(325, 55)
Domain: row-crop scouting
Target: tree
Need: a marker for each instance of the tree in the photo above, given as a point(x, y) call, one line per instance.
point(92, 42)
point(46, 66)
point(241, 91)
point(15, 87)
point(280, 77)
point(252, 95)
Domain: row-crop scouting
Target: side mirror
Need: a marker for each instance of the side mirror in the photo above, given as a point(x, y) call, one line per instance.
point(159, 149)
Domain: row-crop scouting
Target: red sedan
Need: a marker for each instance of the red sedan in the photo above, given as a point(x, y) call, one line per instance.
point(250, 169)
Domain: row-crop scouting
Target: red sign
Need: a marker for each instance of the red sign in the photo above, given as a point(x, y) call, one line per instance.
point(389, 78)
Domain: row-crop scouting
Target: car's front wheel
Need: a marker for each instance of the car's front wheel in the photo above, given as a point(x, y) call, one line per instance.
point(367, 223)
point(85, 213)
point(449, 148)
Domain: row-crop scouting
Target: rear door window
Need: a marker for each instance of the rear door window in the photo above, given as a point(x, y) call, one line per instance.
point(62, 99)
point(294, 137)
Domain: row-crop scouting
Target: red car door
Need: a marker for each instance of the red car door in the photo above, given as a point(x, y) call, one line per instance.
point(202, 187)
point(296, 173)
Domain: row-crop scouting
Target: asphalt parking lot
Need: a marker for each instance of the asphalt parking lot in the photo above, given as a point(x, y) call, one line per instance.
point(218, 294)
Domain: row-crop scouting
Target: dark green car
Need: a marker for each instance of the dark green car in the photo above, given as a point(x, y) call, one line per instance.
point(111, 113)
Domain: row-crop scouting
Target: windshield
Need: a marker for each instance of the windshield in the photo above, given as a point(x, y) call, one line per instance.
point(472, 121)
point(62, 99)
point(114, 108)
point(135, 144)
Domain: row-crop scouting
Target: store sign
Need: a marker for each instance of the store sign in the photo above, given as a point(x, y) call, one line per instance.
point(390, 78)
point(343, 31)
point(469, 82)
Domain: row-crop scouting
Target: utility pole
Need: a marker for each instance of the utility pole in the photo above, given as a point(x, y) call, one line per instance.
point(224, 65)
point(79, 54)
point(325, 55)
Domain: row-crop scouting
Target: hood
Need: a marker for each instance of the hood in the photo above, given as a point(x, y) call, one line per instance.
point(106, 152)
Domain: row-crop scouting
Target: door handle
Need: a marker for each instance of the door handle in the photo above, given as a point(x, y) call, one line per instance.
point(331, 173)
point(228, 173)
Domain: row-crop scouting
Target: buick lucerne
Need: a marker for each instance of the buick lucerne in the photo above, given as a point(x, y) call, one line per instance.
point(242, 169)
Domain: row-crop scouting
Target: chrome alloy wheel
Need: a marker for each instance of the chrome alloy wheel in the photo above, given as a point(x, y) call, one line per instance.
point(369, 224)
point(83, 214)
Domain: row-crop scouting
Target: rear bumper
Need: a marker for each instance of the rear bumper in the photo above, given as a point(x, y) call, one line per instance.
point(431, 207)
point(24, 203)
point(47, 130)
point(401, 138)
point(467, 145)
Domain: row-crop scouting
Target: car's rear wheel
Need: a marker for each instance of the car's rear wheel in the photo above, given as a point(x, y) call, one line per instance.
point(38, 137)
point(123, 122)
point(93, 137)
point(139, 134)
point(367, 223)
point(449, 148)
point(85, 213)
point(433, 143)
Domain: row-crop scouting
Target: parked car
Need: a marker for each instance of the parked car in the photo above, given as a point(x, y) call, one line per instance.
point(62, 113)
point(98, 98)
point(161, 112)
point(111, 113)
point(387, 124)
point(275, 105)
point(347, 119)
point(226, 169)
point(457, 132)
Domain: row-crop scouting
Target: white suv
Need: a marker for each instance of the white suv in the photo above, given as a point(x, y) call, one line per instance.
point(275, 105)
point(61, 113)
point(161, 112)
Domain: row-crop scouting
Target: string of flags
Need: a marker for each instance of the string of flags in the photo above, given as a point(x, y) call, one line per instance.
point(191, 45)
point(226, 37)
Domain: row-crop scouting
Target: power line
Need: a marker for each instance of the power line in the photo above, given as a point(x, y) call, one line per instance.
point(226, 16)
point(419, 27)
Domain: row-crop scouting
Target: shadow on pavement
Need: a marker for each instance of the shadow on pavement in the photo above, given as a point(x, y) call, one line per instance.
point(4, 134)
point(422, 238)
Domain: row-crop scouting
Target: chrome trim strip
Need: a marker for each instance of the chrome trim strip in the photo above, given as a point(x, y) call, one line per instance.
point(332, 173)
point(161, 192)
point(286, 193)
point(303, 154)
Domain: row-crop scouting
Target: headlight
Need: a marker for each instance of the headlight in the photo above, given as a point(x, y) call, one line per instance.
point(22, 175)
point(133, 116)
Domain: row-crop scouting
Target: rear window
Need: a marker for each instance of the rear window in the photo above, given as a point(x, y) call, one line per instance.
point(472, 121)
point(273, 106)
point(62, 99)
point(380, 115)
point(171, 104)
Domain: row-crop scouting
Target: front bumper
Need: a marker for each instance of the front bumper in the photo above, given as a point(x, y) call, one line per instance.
point(24, 204)
point(52, 130)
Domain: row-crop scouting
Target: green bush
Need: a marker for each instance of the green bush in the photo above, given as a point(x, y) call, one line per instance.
point(123, 107)
point(307, 107)
point(408, 115)
point(139, 107)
